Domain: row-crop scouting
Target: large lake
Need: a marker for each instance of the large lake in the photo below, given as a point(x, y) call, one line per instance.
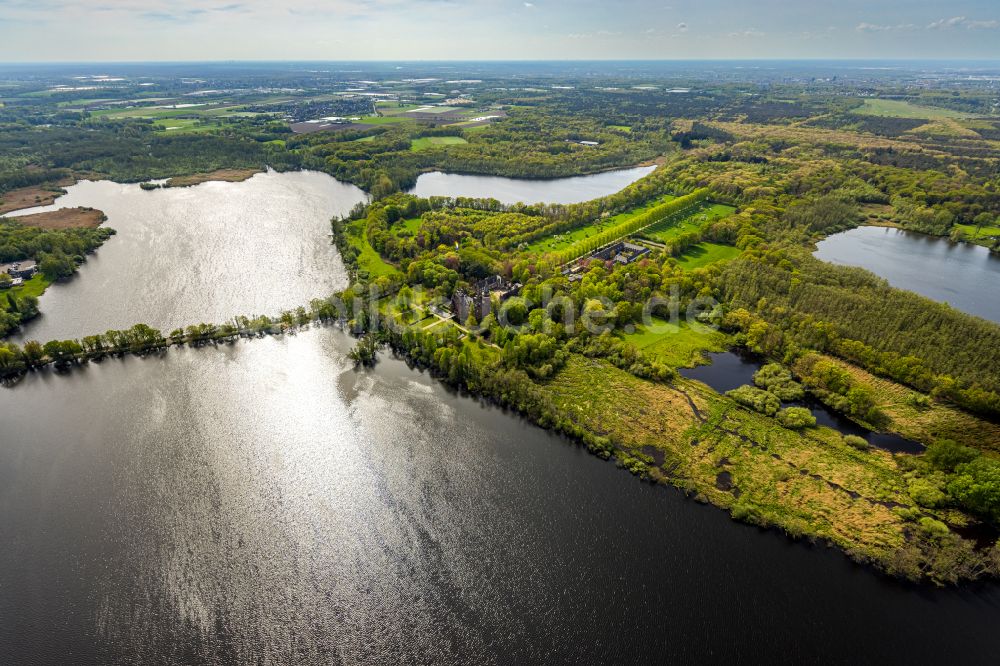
point(264, 503)
point(516, 190)
point(199, 254)
point(963, 275)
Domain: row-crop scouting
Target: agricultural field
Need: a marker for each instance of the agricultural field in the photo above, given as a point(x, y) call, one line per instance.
point(426, 142)
point(384, 120)
point(704, 254)
point(901, 109)
point(395, 108)
point(680, 345)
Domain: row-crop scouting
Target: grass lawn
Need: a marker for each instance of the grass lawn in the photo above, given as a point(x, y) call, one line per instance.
point(680, 345)
point(411, 225)
point(704, 254)
point(425, 142)
point(672, 227)
point(368, 259)
point(901, 109)
point(33, 287)
point(984, 237)
point(620, 128)
point(562, 241)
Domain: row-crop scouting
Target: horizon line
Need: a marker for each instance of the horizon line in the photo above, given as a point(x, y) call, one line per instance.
point(993, 59)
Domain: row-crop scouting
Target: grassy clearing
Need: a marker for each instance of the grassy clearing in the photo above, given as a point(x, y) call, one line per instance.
point(609, 401)
point(425, 142)
point(680, 345)
point(563, 241)
point(187, 125)
point(672, 227)
point(985, 236)
point(900, 109)
point(368, 259)
point(36, 286)
point(620, 128)
point(704, 254)
point(409, 226)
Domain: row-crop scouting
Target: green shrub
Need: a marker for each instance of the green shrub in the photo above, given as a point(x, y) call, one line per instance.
point(933, 527)
point(776, 379)
point(860, 443)
point(946, 454)
point(926, 493)
point(756, 399)
point(796, 418)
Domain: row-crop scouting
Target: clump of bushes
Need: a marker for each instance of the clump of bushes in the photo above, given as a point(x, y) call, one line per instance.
point(860, 443)
point(776, 379)
point(756, 399)
point(796, 418)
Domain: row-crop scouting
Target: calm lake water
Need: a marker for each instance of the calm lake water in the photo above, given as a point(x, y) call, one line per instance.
point(203, 253)
point(515, 190)
point(729, 370)
point(264, 503)
point(963, 275)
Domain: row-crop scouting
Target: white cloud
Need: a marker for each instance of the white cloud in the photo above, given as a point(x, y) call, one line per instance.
point(963, 22)
point(946, 23)
point(872, 27)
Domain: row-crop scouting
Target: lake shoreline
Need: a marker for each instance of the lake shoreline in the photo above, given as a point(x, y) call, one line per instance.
point(221, 336)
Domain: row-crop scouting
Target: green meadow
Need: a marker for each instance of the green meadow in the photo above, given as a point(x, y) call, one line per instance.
point(680, 345)
point(425, 142)
point(674, 226)
point(704, 254)
point(562, 241)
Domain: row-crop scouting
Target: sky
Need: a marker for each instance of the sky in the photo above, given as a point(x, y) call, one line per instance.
point(175, 30)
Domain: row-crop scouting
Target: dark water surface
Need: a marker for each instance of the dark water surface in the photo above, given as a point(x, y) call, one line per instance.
point(199, 254)
point(963, 275)
point(520, 190)
point(729, 370)
point(264, 503)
